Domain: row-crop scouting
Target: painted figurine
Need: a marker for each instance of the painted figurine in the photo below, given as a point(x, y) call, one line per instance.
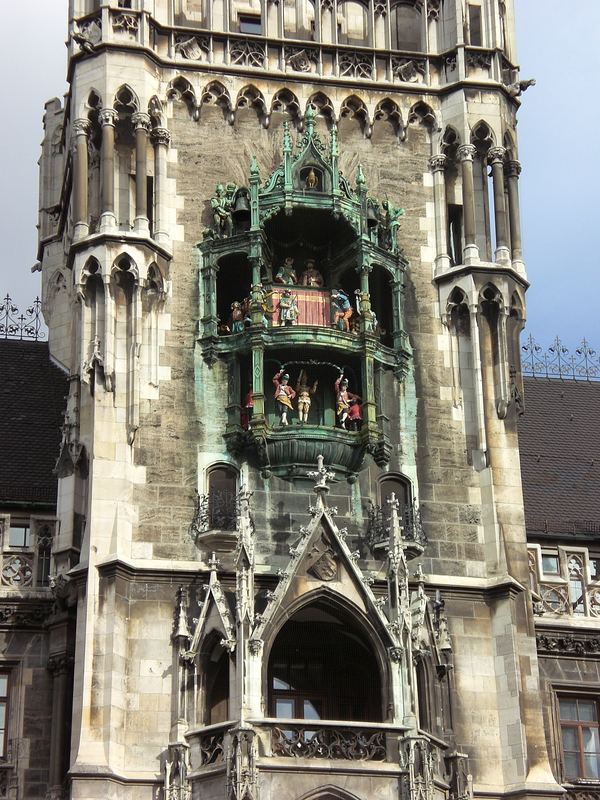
point(238, 317)
point(284, 394)
point(288, 309)
point(222, 205)
point(354, 421)
point(341, 310)
point(311, 181)
point(247, 409)
point(304, 391)
point(311, 275)
point(343, 399)
point(286, 274)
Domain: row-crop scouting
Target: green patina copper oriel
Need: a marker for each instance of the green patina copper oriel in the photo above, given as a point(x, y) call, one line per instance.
point(303, 275)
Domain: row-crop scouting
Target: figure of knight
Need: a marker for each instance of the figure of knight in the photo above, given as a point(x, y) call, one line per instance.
point(222, 205)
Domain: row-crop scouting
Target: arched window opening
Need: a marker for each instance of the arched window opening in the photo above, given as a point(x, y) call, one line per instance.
point(322, 667)
point(400, 487)
point(353, 27)
point(475, 30)
point(222, 492)
point(406, 27)
point(299, 19)
point(234, 279)
point(382, 304)
point(217, 686)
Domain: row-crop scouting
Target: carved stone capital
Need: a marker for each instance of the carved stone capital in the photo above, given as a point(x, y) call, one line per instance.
point(81, 127)
point(466, 152)
point(396, 654)
point(141, 121)
point(60, 663)
point(438, 163)
point(160, 136)
point(512, 169)
point(496, 155)
point(108, 116)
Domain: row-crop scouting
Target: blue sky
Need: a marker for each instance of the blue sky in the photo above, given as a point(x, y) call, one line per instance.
point(558, 44)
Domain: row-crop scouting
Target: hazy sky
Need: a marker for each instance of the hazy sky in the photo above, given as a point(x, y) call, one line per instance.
point(558, 128)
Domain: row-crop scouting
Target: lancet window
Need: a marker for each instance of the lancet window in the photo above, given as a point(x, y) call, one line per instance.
point(406, 26)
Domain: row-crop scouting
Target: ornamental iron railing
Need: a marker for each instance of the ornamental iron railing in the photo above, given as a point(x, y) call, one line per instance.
point(17, 325)
point(378, 526)
point(350, 744)
point(559, 362)
point(217, 510)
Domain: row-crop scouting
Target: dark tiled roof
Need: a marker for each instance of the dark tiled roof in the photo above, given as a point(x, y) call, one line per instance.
point(559, 442)
point(32, 400)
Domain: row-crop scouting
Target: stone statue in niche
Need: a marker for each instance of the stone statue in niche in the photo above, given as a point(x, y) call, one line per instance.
point(288, 309)
point(390, 222)
point(341, 310)
point(222, 206)
point(311, 275)
point(343, 400)
point(304, 392)
point(286, 274)
point(311, 181)
point(284, 394)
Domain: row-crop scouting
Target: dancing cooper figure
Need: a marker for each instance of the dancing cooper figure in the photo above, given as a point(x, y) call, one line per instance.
point(284, 394)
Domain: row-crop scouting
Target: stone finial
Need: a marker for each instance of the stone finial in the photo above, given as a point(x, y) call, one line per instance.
point(180, 627)
point(213, 563)
point(361, 181)
point(287, 139)
point(322, 474)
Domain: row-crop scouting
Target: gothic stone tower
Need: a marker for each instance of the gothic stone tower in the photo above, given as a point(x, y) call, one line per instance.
point(279, 584)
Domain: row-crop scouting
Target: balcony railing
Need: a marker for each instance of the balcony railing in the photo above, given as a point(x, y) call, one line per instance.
point(349, 744)
point(378, 526)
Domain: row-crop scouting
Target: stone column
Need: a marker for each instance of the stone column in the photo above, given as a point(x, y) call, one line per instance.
point(81, 130)
point(496, 161)
point(108, 118)
point(161, 138)
point(60, 667)
point(480, 456)
point(512, 172)
point(438, 168)
point(141, 122)
point(365, 298)
point(466, 154)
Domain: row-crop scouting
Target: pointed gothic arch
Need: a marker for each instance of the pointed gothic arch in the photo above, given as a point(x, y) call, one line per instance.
point(126, 100)
point(329, 791)
point(323, 663)
point(353, 107)
point(322, 106)
point(387, 110)
point(182, 91)
point(329, 601)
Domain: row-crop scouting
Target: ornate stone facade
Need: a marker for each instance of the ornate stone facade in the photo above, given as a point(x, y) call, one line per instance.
point(291, 431)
